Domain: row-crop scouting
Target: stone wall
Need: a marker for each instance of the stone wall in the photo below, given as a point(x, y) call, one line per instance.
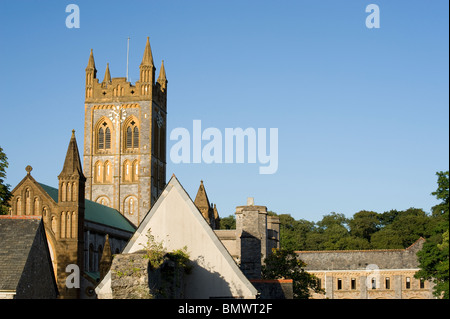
point(368, 274)
point(133, 277)
point(274, 288)
point(360, 259)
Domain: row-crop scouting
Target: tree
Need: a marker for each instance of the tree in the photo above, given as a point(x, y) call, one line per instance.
point(364, 224)
point(332, 219)
point(5, 193)
point(407, 226)
point(284, 264)
point(386, 239)
point(352, 243)
point(434, 256)
point(228, 222)
point(293, 233)
point(333, 228)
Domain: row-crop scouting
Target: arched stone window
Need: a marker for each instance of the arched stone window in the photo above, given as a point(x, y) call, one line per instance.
point(135, 171)
point(103, 200)
point(98, 172)
point(130, 205)
point(54, 225)
point(107, 172)
point(101, 139)
point(103, 135)
point(107, 138)
point(63, 192)
point(127, 171)
point(27, 202)
point(63, 225)
point(19, 206)
point(37, 208)
point(131, 134)
point(74, 191)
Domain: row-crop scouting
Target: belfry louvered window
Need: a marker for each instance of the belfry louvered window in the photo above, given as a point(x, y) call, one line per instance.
point(132, 136)
point(107, 138)
point(136, 137)
point(101, 139)
point(104, 137)
point(129, 137)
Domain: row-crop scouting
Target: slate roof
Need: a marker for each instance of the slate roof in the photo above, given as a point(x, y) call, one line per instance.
point(360, 259)
point(98, 213)
point(16, 238)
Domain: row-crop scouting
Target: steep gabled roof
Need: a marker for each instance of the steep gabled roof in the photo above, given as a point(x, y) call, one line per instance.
point(25, 262)
point(201, 199)
point(16, 238)
point(72, 162)
point(175, 221)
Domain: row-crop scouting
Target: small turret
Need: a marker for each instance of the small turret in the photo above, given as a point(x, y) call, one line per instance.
point(147, 71)
point(91, 74)
point(209, 211)
point(71, 178)
point(107, 78)
point(162, 80)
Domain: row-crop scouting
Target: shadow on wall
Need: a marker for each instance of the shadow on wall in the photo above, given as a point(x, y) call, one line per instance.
point(133, 277)
point(204, 282)
point(250, 255)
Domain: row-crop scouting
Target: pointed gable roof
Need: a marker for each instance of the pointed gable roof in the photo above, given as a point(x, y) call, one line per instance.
point(175, 221)
point(201, 200)
point(72, 163)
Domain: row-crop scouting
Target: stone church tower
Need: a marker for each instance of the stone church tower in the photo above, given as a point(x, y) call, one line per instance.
point(125, 138)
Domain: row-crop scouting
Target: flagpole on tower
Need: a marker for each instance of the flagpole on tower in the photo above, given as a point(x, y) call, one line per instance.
point(128, 51)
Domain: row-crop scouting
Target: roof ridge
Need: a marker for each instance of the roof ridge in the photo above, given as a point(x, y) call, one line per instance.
point(20, 217)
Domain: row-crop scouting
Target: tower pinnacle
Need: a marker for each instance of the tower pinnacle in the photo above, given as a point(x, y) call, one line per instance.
point(162, 80)
point(91, 63)
point(147, 59)
point(107, 77)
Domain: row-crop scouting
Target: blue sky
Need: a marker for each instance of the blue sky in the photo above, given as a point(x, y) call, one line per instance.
point(362, 114)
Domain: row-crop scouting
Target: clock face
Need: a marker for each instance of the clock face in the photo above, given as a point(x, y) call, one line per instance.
point(117, 115)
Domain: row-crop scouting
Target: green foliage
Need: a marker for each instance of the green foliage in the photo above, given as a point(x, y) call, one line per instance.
point(181, 259)
point(403, 231)
point(228, 222)
point(434, 256)
point(364, 224)
point(155, 251)
point(284, 264)
point(365, 230)
point(156, 254)
point(5, 193)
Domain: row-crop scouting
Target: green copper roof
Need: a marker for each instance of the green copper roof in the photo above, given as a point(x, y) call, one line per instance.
point(98, 213)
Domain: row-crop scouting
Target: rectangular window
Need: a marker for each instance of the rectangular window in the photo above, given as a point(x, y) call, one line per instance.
point(339, 284)
point(408, 283)
point(387, 283)
point(374, 283)
point(353, 284)
point(422, 283)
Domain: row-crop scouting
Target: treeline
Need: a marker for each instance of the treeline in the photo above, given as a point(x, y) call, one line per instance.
point(364, 230)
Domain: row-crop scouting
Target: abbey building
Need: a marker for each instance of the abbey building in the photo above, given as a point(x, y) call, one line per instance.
point(106, 198)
